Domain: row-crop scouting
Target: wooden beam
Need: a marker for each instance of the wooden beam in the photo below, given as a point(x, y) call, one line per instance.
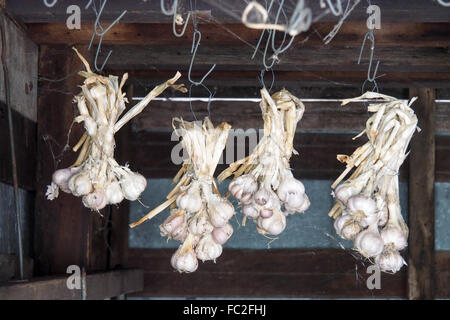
point(247, 114)
point(298, 58)
point(294, 78)
point(317, 160)
point(399, 34)
point(284, 273)
point(99, 286)
point(25, 141)
point(421, 273)
point(144, 11)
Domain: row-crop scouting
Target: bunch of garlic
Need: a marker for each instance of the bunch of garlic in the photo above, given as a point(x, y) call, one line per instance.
point(367, 208)
point(263, 182)
point(199, 214)
point(96, 176)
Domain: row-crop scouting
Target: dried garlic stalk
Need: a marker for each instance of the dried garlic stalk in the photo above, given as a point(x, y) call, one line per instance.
point(369, 199)
point(199, 214)
point(263, 181)
point(96, 176)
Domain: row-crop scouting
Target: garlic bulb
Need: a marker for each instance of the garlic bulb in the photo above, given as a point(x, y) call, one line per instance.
point(220, 211)
point(190, 200)
point(290, 187)
point(343, 192)
point(266, 213)
point(243, 187)
point(390, 261)
point(369, 242)
point(340, 222)
point(61, 178)
point(394, 235)
point(174, 221)
point(184, 261)
point(200, 225)
point(363, 210)
point(114, 193)
point(273, 225)
point(80, 184)
point(222, 234)
point(208, 249)
point(350, 230)
point(95, 200)
point(262, 196)
point(133, 184)
point(250, 211)
point(180, 233)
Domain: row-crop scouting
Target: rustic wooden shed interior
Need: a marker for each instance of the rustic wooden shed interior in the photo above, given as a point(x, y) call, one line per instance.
point(412, 47)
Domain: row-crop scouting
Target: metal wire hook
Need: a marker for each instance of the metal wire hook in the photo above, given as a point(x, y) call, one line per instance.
point(101, 33)
point(369, 35)
point(337, 11)
point(173, 12)
point(49, 5)
point(197, 35)
point(261, 79)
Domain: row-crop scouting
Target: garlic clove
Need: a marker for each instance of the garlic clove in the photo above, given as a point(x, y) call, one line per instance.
point(208, 249)
point(114, 193)
point(80, 184)
point(95, 200)
point(221, 235)
point(390, 261)
point(394, 235)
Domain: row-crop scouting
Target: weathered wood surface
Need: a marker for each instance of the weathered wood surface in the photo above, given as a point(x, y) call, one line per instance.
point(287, 273)
point(9, 267)
point(299, 58)
point(317, 159)
point(66, 232)
point(144, 11)
point(421, 271)
point(351, 33)
point(98, 286)
point(22, 61)
point(294, 78)
point(25, 146)
point(319, 116)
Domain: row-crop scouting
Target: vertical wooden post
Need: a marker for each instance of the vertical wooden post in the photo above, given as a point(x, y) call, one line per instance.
point(65, 232)
point(421, 199)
